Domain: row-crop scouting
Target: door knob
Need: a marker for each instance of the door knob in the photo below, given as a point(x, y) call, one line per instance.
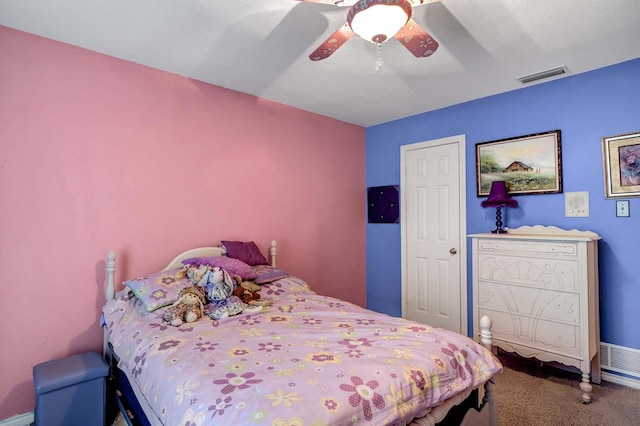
point(453, 251)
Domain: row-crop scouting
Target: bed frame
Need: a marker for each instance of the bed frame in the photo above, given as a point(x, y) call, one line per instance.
point(485, 413)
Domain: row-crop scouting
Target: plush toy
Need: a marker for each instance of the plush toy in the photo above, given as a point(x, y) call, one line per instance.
point(218, 287)
point(198, 275)
point(248, 292)
point(188, 308)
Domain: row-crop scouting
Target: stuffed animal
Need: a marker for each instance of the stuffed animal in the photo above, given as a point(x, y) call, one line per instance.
point(218, 287)
point(248, 292)
point(188, 308)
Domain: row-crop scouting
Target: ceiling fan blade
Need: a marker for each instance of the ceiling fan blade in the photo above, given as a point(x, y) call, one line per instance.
point(332, 2)
point(343, 3)
point(416, 40)
point(332, 44)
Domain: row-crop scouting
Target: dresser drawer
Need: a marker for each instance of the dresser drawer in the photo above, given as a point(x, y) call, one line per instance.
point(516, 268)
point(528, 248)
point(534, 334)
point(532, 302)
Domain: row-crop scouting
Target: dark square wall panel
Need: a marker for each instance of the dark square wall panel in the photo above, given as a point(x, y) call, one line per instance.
point(383, 205)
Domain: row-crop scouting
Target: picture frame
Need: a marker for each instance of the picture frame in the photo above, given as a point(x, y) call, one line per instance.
point(621, 158)
point(529, 164)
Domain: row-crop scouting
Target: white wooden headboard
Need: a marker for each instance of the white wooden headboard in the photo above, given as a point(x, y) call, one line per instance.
point(212, 251)
point(196, 252)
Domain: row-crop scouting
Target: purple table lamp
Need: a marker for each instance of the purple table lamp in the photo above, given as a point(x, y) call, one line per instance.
point(498, 198)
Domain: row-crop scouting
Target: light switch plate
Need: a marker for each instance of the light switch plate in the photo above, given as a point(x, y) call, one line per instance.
point(622, 208)
point(576, 204)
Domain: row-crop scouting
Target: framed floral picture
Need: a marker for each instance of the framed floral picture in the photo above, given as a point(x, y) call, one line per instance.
point(621, 157)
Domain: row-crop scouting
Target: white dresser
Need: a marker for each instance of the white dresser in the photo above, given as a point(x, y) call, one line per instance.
point(539, 285)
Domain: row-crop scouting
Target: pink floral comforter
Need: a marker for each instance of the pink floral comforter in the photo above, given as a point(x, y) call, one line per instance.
point(306, 360)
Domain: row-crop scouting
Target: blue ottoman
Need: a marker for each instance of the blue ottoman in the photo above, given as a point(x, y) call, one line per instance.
point(70, 391)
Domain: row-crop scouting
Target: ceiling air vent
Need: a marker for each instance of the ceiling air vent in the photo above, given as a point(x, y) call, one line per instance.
point(543, 74)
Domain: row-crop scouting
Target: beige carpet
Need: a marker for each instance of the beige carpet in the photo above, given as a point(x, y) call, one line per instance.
point(530, 395)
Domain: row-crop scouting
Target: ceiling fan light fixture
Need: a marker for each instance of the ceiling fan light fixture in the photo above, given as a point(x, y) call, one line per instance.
point(378, 20)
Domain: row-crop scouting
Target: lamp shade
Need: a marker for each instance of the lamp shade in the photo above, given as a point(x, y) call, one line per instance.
point(498, 196)
point(378, 20)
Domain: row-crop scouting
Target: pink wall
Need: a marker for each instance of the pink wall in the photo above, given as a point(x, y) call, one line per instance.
point(97, 153)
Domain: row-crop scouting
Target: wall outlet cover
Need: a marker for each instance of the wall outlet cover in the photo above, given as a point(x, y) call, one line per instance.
point(622, 208)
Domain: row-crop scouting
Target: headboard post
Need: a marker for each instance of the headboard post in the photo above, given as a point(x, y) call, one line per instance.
point(272, 253)
point(110, 291)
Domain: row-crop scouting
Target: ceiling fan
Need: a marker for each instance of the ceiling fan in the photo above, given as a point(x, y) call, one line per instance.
point(377, 21)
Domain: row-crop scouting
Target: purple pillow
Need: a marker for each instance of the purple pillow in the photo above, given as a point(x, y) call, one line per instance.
point(248, 252)
point(232, 266)
point(160, 288)
point(268, 274)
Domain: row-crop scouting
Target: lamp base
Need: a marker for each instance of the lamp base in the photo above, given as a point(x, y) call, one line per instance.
point(499, 229)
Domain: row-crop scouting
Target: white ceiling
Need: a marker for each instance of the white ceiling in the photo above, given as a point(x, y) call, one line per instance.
point(262, 47)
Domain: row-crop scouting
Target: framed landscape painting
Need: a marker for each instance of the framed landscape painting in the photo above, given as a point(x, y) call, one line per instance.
point(530, 164)
point(621, 155)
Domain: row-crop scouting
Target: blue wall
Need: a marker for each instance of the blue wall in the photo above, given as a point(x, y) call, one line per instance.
point(585, 107)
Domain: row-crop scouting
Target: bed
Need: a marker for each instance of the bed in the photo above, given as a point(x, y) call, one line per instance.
point(306, 359)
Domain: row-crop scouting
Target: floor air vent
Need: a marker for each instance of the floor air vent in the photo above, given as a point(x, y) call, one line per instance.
point(620, 359)
point(543, 74)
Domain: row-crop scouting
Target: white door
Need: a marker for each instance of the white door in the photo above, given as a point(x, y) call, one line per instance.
point(433, 222)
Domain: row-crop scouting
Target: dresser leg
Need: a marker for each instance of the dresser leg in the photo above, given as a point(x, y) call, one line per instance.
point(586, 388)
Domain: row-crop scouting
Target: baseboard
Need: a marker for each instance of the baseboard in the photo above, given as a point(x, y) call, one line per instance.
point(621, 380)
point(20, 420)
